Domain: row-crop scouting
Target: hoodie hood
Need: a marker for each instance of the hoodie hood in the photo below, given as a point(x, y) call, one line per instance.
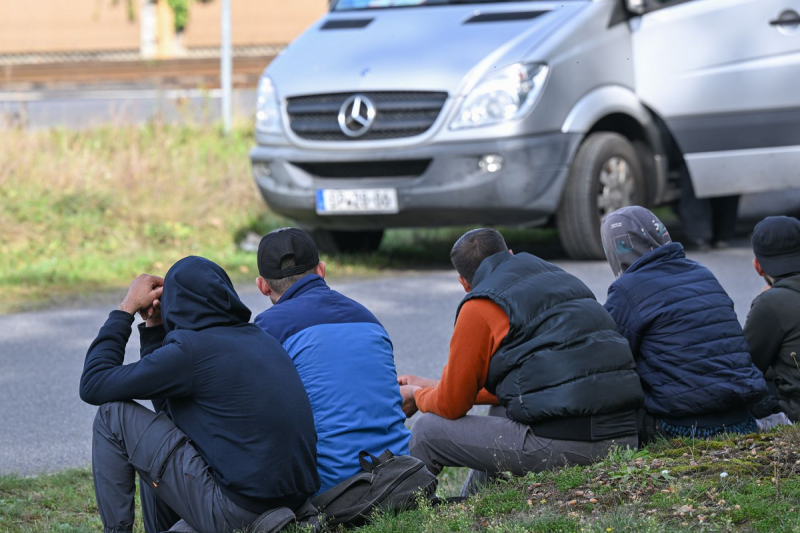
point(630, 233)
point(198, 294)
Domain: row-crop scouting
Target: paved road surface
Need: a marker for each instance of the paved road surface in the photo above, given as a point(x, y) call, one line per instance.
point(81, 109)
point(44, 425)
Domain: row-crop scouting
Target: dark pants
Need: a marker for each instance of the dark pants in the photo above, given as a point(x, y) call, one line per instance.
point(707, 219)
point(176, 481)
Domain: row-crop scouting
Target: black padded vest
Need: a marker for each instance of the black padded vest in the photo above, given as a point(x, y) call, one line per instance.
point(562, 368)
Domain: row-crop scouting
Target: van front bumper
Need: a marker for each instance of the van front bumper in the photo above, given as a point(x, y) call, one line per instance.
point(446, 185)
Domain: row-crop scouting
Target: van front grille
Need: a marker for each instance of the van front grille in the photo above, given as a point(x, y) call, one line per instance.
point(397, 115)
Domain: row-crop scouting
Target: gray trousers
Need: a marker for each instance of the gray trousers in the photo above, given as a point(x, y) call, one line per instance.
point(493, 444)
point(176, 481)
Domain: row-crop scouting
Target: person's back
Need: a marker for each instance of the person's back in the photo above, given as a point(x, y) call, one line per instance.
point(563, 368)
point(344, 357)
point(234, 436)
point(244, 394)
point(684, 333)
point(773, 323)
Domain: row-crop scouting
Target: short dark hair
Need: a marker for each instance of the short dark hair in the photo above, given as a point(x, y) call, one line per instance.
point(473, 247)
point(280, 286)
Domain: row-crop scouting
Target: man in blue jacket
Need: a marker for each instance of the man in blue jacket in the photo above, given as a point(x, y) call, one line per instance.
point(690, 352)
point(342, 352)
point(234, 434)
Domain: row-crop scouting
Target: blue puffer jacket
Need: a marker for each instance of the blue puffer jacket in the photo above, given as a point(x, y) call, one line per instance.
point(690, 351)
point(346, 362)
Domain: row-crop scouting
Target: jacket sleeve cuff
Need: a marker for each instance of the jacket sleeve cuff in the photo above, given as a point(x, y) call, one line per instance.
point(151, 339)
point(120, 316)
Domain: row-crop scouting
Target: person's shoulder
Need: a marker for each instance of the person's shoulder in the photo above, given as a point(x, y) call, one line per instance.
point(482, 309)
point(351, 310)
point(776, 296)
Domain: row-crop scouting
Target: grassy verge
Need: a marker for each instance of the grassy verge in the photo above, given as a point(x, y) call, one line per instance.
point(748, 483)
point(85, 212)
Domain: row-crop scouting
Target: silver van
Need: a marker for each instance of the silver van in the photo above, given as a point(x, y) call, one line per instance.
point(409, 113)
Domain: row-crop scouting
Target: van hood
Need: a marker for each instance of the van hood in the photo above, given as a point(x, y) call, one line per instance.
point(430, 48)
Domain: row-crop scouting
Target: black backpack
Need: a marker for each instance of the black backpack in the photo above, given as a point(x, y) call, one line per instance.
point(387, 483)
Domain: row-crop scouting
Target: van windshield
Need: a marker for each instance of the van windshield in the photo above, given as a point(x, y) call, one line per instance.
point(353, 5)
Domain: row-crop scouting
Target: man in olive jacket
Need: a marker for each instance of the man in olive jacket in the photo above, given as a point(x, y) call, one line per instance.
point(773, 324)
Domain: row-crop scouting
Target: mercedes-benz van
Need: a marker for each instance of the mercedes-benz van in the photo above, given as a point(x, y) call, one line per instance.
point(408, 113)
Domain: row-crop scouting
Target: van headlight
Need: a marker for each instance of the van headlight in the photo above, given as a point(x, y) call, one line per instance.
point(268, 112)
point(505, 95)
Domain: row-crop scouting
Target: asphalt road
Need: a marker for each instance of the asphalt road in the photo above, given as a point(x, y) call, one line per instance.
point(44, 426)
point(82, 109)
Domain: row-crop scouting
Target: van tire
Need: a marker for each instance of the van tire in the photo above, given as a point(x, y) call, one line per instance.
point(580, 215)
point(347, 242)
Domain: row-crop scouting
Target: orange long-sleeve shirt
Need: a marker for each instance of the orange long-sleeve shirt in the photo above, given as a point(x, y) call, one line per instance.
point(481, 326)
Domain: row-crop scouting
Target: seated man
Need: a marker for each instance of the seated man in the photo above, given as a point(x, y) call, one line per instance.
point(343, 355)
point(234, 434)
point(532, 338)
point(773, 324)
point(690, 351)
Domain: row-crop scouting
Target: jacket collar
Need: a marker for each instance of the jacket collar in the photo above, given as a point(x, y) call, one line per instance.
point(668, 252)
point(788, 282)
point(489, 265)
point(302, 286)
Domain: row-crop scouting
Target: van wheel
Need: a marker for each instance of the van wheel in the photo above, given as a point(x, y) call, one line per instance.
point(348, 242)
point(605, 176)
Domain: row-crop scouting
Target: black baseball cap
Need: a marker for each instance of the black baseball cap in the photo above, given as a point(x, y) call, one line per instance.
point(277, 245)
point(776, 243)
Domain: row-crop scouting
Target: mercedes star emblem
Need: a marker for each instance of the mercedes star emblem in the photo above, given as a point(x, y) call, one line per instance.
point(356, 115)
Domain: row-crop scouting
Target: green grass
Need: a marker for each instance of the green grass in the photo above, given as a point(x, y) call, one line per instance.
point(673, 486)
point(85, 212)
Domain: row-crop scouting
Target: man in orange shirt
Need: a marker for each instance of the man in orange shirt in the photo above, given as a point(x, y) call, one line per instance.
point(532, 341)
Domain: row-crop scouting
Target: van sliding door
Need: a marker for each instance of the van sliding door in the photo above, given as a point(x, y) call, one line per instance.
point(725, 76)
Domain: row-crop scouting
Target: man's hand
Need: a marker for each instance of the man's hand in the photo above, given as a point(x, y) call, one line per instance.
point(142, 293)
point(409, 402)
point(152, 315)
point(417, 381)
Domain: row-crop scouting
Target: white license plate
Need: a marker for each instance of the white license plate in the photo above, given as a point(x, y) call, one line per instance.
point(356, 201)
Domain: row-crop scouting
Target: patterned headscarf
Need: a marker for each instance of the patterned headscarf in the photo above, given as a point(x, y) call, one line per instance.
point(628, 234)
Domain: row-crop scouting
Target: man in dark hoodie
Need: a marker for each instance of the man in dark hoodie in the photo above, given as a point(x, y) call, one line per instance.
point(234, 434)
point(773, 324)
point(690, 351)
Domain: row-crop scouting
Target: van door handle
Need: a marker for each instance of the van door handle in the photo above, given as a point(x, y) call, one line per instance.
point(786, 19)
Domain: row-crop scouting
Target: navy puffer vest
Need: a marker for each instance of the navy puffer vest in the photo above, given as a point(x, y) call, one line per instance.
point(562, 368)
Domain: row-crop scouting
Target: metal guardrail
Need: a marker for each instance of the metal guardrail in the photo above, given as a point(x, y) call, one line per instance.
point(112, 56)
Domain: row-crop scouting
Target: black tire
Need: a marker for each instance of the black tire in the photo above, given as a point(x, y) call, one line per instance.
point(580, 213)
point(348, 242)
